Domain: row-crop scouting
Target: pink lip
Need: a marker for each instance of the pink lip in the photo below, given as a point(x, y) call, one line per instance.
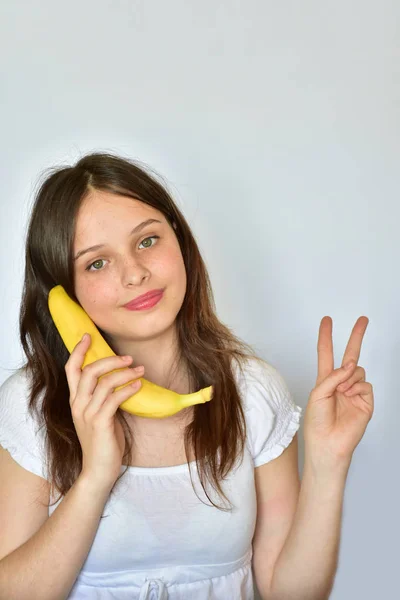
point(145, 301)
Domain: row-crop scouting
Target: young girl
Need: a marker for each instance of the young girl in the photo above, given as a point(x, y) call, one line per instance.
point(99, 503)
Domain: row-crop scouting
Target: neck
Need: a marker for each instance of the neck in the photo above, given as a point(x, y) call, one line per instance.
point(158, 356)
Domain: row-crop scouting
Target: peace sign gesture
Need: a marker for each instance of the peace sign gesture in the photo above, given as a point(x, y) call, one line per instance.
point(342, 402)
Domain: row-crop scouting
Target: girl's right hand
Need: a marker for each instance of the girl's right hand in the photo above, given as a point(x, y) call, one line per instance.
point(94, 405)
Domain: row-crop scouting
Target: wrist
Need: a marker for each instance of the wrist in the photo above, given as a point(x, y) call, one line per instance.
point(323, 467)
point(322, 487)
point(92, 487)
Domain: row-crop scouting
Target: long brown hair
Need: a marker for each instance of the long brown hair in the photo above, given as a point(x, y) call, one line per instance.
point(217, 432)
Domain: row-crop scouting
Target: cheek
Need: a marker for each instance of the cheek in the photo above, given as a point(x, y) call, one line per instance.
point(179, 271)
point(96, 294)
point(170, 264)
point(170, 271)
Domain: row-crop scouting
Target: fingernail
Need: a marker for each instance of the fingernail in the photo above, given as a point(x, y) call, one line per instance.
point(85, 337)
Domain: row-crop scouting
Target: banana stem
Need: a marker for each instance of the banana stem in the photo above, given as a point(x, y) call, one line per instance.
point(199, 397)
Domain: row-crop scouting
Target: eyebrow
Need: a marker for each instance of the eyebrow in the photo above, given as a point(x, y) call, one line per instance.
point(134, 230)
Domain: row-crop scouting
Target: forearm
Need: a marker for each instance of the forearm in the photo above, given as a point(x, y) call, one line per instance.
point(307, 564)
point(47, 565)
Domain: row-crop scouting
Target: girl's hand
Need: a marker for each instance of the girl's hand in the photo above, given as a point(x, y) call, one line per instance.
point(341, 404)
point(94, 405)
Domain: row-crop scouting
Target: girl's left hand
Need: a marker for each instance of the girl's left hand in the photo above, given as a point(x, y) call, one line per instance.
point(342, 402)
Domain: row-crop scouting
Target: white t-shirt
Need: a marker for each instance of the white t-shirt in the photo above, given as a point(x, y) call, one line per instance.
point(158, 541)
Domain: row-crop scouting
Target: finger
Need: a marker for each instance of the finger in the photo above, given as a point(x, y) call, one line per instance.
point(91, 375)
point(353, 348)
point(362, 388)
point(359, 375)
point(117, 398)
point(325, 349)
point(366, 392)
point(107, 386)
point(73, 365)
point(328, 386)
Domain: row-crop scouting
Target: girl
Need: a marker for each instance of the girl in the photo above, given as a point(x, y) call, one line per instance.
point(99, 503)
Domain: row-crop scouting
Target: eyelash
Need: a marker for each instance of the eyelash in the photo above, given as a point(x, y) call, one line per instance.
point(88, 268)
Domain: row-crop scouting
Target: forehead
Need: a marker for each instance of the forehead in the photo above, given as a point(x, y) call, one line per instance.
point(104, 211)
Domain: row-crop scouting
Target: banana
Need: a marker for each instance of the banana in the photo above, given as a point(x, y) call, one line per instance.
point(150, 400)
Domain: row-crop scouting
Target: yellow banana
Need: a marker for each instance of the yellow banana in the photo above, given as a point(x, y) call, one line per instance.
point(150, 400)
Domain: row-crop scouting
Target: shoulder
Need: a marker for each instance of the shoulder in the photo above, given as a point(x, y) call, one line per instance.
point(15, 386)
point(15, 394)
point(261, 383)
point(19, 379)
point(21, 432)
point(272, 416)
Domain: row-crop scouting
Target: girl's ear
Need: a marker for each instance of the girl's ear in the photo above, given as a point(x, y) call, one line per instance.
point(174, 224)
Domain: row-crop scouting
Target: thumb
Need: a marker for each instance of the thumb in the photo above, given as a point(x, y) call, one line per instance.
point(338, 376)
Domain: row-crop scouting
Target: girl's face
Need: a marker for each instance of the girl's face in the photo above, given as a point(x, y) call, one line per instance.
point(127, 266)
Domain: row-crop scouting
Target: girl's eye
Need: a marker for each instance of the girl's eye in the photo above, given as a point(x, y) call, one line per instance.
point(88, 268)
point(157, 237)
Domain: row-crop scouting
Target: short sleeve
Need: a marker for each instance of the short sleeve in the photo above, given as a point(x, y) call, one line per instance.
point(272, 417)
point(19, 430)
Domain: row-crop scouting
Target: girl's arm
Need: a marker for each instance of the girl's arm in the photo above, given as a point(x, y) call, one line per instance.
point(306, 566)
point(47, 565)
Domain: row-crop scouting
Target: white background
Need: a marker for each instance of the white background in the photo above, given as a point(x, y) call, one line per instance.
point(276, 126)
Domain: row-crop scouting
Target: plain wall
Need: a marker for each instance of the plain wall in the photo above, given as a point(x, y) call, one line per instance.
point(276, 126)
